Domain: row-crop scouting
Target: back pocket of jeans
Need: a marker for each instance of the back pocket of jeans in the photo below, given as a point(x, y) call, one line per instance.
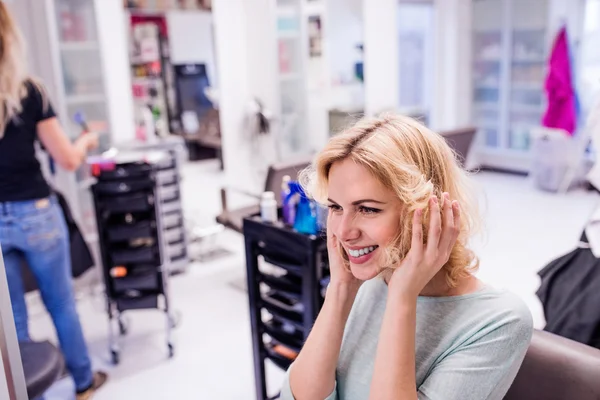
point(42, 229)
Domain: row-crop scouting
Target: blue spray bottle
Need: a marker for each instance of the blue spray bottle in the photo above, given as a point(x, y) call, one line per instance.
point(306, 215)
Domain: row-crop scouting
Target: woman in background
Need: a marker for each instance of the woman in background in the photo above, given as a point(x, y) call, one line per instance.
point(31, 222)
point(404, 317)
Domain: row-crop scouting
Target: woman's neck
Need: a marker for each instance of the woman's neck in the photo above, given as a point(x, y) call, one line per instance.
point(438, 287)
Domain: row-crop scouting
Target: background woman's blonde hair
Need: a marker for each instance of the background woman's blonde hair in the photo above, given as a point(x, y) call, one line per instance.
point(13, 69)
point(415, 163)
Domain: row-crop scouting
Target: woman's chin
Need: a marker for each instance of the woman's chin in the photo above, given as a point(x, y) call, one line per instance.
point(364, 272)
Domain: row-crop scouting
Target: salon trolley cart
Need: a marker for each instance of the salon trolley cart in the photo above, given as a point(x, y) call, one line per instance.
point(141, 234)
point(287, 273)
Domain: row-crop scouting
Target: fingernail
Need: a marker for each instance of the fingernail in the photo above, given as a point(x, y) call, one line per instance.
point(435, 200)
point(419, 212)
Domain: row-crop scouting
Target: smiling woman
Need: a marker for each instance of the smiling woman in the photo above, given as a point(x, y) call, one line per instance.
point(404, 317)
point(385, 169)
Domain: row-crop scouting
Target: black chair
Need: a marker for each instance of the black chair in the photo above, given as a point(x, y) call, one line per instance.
point(460, 140)
point(233, 219)
point(43, 365)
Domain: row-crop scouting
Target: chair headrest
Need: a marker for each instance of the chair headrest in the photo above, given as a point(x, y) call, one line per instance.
point(557, 368)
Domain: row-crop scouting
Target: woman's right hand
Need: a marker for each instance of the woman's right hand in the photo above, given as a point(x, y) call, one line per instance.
point(91, 140)
point(339, 273)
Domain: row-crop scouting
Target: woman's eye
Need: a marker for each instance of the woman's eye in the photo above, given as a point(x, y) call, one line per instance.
point(369, 210)
point(334, 207)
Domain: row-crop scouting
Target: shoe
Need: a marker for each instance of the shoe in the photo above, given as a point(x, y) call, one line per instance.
point(100, 379)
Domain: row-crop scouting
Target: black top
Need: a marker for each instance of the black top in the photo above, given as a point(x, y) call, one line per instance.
point(21, 176)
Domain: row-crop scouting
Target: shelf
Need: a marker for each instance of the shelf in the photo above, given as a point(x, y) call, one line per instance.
point(527, 86)
point(487, 86)
point(529, 60)
point(526, 108)
point(85, 98)
point(279, 360)
point(487, 60)
point(487, 124)
point(79, 46)
point(487, 106)
point(290, 76)
point(288, 35)
point(287, 11)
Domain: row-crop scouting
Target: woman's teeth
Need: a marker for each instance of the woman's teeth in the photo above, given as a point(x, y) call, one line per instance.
point(362, 252)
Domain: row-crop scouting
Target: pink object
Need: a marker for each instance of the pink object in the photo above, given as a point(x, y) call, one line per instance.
point(561, 112)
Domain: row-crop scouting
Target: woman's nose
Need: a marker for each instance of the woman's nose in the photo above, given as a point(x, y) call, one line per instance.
point(347, 229)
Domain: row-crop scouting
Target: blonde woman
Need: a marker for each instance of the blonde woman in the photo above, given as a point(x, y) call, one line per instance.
point(404, 317)
point(31, 222)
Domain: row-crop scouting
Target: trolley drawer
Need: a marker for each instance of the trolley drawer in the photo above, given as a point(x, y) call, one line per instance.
point(149, 281)
point(289, 284)
point(176, 250)
point(172, 221)
point(168, 193)
point(136, 256)
point(171, 206)
point(127, 171)
point(137, 303)
point(126, 204)
point(142, 229)
point(284, 333)
point(165, 164)
point(112, 188)
point(173, 235)
point(166, 177)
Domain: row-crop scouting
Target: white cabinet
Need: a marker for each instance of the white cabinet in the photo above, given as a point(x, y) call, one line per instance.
point(511, 42)
point(291, 85)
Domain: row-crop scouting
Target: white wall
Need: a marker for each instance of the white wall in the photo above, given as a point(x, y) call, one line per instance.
point(191, 40)
point(113, 36)
point(452, 88)
point(229, 18)
point(381, 56)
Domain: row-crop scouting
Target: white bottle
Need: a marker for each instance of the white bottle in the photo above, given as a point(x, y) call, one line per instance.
point(268, 207)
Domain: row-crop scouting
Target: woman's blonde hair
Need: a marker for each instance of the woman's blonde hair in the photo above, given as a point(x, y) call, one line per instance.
point(13, 69)
point(416, 163)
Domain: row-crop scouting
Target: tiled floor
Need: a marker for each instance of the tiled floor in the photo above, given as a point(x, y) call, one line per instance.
point(525, 229)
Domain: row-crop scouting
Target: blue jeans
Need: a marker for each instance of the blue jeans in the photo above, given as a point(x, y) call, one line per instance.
point(36, 231)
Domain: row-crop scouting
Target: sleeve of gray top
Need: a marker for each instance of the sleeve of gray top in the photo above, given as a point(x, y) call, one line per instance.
point(485, 366)
point(286, 389)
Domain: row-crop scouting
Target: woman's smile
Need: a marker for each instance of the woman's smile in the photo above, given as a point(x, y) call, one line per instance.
point(360, 255)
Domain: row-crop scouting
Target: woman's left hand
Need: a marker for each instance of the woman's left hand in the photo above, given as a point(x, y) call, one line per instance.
point(423, 262)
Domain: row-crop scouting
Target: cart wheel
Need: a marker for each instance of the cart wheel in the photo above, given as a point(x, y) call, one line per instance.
point(171, 350)
point(122, 327)
point(115, 357)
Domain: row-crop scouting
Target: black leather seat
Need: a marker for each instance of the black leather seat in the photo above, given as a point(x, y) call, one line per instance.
point(234, 219)
point(556, 368)
point(43, 364)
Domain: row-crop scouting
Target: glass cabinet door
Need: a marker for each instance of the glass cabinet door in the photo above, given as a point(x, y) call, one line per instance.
point(83, 94)
point(292, 86)
point(81, 67)
point(529, 53)
point(488, 43)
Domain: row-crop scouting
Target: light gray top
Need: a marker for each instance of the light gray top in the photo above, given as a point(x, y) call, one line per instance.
point(468, 347)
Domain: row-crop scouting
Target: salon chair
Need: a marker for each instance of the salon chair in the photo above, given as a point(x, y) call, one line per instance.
point(556, 368)
point(233, 219)
point(43, 365)
point(460, 140)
